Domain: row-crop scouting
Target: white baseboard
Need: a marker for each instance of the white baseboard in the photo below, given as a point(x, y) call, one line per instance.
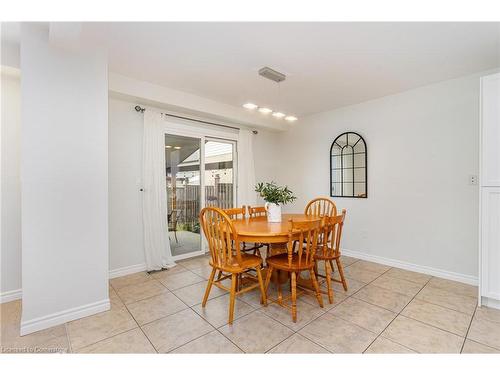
point(124, 271)
point(466, 279)
point(11, 295)
point(490, 302)
point(64, 316)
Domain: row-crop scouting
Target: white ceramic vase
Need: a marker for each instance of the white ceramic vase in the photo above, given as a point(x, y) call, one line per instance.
point(273, 212)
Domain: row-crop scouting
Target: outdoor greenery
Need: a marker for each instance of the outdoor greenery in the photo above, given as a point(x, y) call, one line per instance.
point(273, 193)
point(195, 228)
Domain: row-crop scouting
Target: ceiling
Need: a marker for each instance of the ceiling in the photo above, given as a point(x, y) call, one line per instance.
point(328, 65)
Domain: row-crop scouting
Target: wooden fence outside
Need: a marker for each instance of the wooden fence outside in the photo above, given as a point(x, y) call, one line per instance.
point(187, 200)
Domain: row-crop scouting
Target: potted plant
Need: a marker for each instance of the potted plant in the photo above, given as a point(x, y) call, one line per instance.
point(275, 196)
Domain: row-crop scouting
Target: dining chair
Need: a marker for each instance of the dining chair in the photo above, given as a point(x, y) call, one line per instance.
point(254, 212)
point(296, 261)
point(231, 263)
point(239, 213)
point(257, 211)
point(329, 250)
point(236, 212)
point(321, 207)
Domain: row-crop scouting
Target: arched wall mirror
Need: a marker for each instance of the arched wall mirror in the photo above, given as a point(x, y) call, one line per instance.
point(348, 166)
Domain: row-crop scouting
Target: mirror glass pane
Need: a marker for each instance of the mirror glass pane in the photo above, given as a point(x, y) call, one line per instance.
point(348, 174)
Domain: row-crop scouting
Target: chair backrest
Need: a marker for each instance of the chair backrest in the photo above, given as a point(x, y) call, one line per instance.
point(305, 234)
point(332, 233)
point(257, 211)
point(219, 232)
point(321, 207)
point(234, 212)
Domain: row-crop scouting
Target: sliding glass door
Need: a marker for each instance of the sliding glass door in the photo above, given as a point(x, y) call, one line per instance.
point(200, 172)
point(182, 157)
point(220, 186)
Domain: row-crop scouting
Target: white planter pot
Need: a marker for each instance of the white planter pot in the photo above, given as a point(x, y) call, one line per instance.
point(273, 212)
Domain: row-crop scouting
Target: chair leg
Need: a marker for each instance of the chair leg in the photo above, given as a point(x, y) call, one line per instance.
point(278, 285)
point(329, 282)
point(316, 287)
point(234, 278)
point(209, 286)
point(268, 278)
point(238, 281)
point(294, 296)
point(340, 267)
point(263, 298)
point(219, 275)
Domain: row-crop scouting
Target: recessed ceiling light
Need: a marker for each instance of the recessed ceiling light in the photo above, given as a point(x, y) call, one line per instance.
point(168, 146)
point(278, 114)
point(177, 147)
point(250, 106)
point(291, 118)
point(265, 110)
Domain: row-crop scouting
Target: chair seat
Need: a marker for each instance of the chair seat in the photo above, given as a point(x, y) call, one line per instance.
point(247, 261)
point(280, 261)
point(327, 255)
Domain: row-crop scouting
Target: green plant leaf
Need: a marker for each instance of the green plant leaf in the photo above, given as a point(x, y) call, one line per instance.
point(273, 193)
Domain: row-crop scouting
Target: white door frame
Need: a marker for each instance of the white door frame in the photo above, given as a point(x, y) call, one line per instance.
point(188, 129)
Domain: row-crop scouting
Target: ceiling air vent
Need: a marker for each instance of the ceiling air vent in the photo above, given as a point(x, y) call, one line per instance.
point(272, 74)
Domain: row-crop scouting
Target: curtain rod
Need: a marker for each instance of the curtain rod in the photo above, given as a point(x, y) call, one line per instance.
point(141, 109)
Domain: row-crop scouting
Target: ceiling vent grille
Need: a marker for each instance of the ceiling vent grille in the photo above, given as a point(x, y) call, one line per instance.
point(272, 74)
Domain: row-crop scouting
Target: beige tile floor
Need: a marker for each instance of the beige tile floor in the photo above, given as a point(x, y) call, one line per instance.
point(385, 310)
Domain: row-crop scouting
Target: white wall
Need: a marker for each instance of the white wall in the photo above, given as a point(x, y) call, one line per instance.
point(10, 256)
point(126, 247)
point(422, 146)
point(64, 181)
point(125, 168)
point(420, 208)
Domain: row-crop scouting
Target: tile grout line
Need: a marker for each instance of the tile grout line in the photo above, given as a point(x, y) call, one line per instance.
point(398, 314)
point(192, 309)
point(270, 317)
point(184, 309)
point(444, 307)
point(277, 321)
point(413, 298)
point(215, 329)
point(431, 325)
point(345, 299)
point(67, 337)
point(468, 329)
point(488, 346)
point(109, 337)
point(136, 322)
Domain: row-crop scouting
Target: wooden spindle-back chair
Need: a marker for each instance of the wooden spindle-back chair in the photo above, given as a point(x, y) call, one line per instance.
point(257, 211)
point(329, 250)
point(236, 212)
point(298, 259)
point(239, 213)
point(321, 207)
point(220, 233)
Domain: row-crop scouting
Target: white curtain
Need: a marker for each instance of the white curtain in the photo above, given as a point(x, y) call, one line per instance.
point(154, 207)
point(246, 169)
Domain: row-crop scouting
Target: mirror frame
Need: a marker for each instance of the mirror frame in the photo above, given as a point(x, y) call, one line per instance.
point(366, 167)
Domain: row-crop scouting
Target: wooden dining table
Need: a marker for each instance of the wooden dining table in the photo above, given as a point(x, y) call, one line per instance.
point(259, 230)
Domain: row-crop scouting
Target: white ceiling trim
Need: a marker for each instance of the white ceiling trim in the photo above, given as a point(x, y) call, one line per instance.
point(163, 97)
